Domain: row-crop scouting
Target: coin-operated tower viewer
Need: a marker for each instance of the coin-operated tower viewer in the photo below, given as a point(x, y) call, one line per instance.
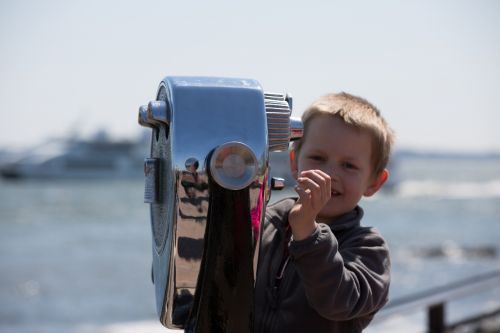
point(208, 183)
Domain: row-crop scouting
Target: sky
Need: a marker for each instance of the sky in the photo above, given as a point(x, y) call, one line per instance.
point(76, 67)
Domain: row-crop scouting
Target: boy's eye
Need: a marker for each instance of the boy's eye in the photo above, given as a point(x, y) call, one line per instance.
point(348, 165)
point(317, 158)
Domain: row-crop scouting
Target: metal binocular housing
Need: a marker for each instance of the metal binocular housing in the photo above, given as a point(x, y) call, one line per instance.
point(208, 182)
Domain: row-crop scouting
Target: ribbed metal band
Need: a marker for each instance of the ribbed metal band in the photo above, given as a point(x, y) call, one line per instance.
point(278, 113)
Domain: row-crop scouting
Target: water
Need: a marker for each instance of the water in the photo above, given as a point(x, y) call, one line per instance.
point(75, 256)
point(442, 225)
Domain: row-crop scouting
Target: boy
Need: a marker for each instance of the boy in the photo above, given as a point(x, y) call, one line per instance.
point(319, 269)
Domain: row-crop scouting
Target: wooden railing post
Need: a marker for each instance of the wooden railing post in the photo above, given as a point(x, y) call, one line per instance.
point(434, 301)
point(436, 318)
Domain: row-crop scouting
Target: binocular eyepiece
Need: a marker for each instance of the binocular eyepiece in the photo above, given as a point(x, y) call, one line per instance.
point(207, 182)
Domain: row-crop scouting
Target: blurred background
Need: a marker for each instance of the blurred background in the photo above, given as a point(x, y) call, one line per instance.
point(75, 242)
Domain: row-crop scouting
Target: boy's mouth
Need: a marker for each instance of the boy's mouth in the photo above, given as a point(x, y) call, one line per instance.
point(335, 193)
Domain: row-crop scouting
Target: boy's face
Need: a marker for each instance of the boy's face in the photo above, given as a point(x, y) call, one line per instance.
point(344, 153)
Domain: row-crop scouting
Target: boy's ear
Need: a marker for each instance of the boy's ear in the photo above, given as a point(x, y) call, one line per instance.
point(377, 183)
point(293, 164)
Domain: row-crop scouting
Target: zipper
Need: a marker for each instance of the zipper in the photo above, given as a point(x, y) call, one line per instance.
point(276, 278)
point(280, 273)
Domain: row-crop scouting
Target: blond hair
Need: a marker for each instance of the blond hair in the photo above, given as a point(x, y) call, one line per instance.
point(358, 113)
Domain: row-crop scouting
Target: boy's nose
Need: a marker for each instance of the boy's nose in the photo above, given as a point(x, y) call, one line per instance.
point(334, 176)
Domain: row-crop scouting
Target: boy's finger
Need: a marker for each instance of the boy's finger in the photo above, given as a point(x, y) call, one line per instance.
point(326, 185)
point(316, 171)
point(308, 183)
point(315, 191)
point(322, 180)
point(304, 195)
point(317, 175)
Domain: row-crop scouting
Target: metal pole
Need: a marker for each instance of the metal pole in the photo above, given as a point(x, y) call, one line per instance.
point(436, 318)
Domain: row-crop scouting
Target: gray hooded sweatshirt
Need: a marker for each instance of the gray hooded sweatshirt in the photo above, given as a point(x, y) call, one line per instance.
point(333, 281)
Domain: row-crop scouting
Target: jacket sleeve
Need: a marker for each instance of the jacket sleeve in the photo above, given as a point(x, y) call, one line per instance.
point(347, 283)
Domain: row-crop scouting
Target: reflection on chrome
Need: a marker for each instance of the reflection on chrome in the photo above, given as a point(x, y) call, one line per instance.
point(207, 185)
point(192, 215)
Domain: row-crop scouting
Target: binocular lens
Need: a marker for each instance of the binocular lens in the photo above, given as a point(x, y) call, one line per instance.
point(233, 165)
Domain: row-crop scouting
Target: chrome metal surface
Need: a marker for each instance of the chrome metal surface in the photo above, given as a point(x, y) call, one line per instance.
point(207, 182)
point(233, 165)
point(289, 100)
point(277, 183)
point(143, 117)
point(278, 121)
point(207, 185)
point(224, 299)
point(296, 129)
point(207, 132)
point(158, 112)
point(152, 173)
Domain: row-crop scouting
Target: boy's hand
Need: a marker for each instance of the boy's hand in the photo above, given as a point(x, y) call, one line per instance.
point(314, 189)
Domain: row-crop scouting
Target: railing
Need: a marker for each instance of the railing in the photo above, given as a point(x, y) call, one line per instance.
point(434, 301)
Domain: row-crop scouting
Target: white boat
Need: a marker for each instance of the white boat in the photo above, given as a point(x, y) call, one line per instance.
point(96, 158)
